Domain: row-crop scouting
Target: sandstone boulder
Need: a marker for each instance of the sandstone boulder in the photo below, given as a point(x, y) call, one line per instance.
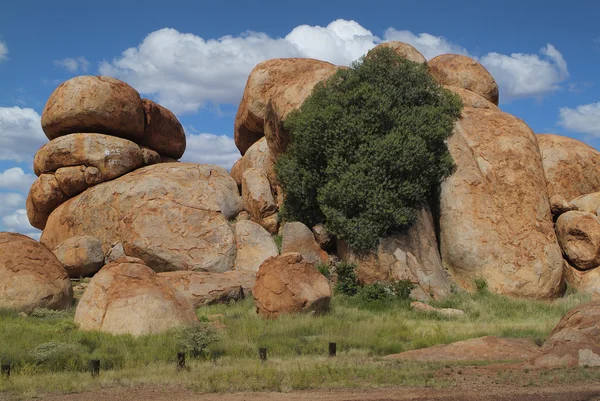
point(466, 73)
point(587, 281)
point(163, 133)
point(94, 104)
point(31, 276)
point(579, 237)
point(412, 255)
point(489, 348)
point(575, 341)
point(174, 216)
point(80, 256)
point(495, 220)
point(471, 99)
point(572, 168)
point(256, 194)
point(403, 50)
point(587, 203)
point(201, 288)
point(127, 297)
point(112, 156)
point(287, 82)
point(298, 238)
point(289, 284)
point(254, 245)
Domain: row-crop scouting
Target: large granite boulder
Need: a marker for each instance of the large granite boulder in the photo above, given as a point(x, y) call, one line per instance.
point(30, 276)
point(174, 216)
point(163, 133)
point(471, 99)
point(127, 297)
point(572, 168)
point(80, 256)
point(287, 82)
point(254, 245)
point(466, 73)
point(575, 341)
point(298, 238)
point(401, 49)
point(579, 237)
point(495, 220)
point(289, 284)
point(412, 255)
point(201, 288)
point(94, 104)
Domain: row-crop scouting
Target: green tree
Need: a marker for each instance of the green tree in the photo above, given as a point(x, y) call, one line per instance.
point(368, 148)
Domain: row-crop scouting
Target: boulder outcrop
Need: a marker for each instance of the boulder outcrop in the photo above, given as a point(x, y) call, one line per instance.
point(80, 256)
point(403, 50)
point(495, 220)
point(174, 216)
point(289, 284)
point(587, 203)
point(471, 99)
point(101, 104)
point(287, 82)
point(256, 194)
point(587, 281)
point(30, 276)
point(298, 238)
point(254, 245)
point(579, 237)
point(464, 72)
point(127, 297)
point(572, 168)
point(201, 288)
point(163, 131)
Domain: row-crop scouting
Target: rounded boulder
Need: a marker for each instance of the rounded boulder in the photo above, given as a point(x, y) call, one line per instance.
point(579, 237)
point(163, 133)
point(80, 256)
point(403, 50)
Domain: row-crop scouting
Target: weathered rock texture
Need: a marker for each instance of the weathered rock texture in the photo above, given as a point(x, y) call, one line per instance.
point(173, 216)
point(286, 82)
point(163, 133)
point(127, 297)
point(495, 218)
point(412, 256)
point(489, 348)
point(472, 99)
point(31, 276)
point(94, 104)
point(403, 50)
point(579, 237)
point(80, 256)
point(201, 288)
point(447, 312)
point(587, 203)
point(254, 245)
point(572, 168)
point(466, 73)
point(256, 194)
point(575, 341)
point(258, 156)
point(587, 281)
point(289, 284)
point(44, 196)
point(298, 238)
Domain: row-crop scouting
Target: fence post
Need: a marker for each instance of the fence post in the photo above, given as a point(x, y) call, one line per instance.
point(262, 352)
point(332, 349)
point(95, 367)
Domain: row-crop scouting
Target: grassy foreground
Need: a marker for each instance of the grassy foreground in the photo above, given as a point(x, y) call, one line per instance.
point(49, 353)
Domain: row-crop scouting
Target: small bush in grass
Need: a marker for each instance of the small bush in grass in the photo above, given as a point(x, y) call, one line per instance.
point(347, 283)
point(323, 268)
point(375, 292)
point(278, 241)
point(481, 286)
point(402, 288)
point(195, 339)
point(57, 356)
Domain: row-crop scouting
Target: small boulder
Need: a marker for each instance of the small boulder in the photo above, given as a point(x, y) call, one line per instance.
point(447, 312)
point(402, 49)
point(488, 348)
point(299, 239)
point(254, 245)
point(579, 237)
point(587, 281)
point(323, 236)
point(587, 203)
point(80, 256)
point(258, 156)
point(572, 168)
point(202, 288)
point(128, 297)
point(575, 341)
point(30, 276)
point(289, 284)
point(163, 133)
point(559, 205)
point(44, 196)
point(287, 82)
point(102, 104)
point(256, 194)
point(466, 73)
point(76, 179)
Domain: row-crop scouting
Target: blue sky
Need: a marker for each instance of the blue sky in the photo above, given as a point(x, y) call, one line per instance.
point(194, 57)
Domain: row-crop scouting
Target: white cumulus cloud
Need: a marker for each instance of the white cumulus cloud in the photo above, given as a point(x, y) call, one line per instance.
point(16, 178)
point(75, 64)
point(584, 119)
point(21, 134)
point(3, 51)
point(211, 149)
point(19, 223)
